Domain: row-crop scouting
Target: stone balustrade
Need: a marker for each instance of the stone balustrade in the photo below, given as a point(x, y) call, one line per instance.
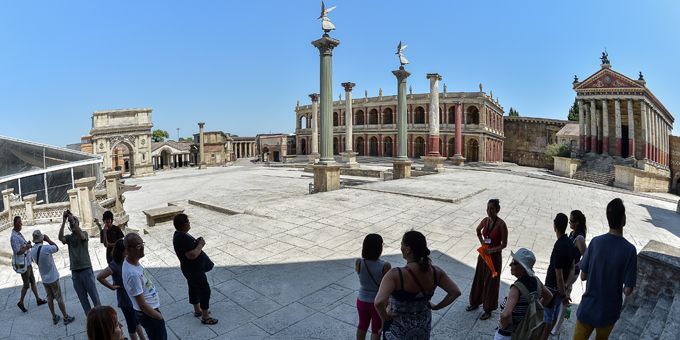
point(565, 166)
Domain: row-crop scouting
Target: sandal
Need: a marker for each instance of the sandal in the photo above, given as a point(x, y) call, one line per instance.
point(22, 307)
point(41, 302)
point(485, 316)
point(209, 321)
point(471, 308)
point(199, 314)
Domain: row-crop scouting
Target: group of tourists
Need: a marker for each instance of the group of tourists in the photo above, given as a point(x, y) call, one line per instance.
point(137, 295)
point(396, 302)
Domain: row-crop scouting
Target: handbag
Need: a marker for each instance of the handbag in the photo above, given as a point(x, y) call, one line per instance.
point(206, 263)
point(19, 263)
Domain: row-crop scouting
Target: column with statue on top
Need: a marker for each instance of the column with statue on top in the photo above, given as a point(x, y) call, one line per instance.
point(401, 166)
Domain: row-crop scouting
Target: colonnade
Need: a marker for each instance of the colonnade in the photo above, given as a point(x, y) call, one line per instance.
point(244, 149)
point(640, 131)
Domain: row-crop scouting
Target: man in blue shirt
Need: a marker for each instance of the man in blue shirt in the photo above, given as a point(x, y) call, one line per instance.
point(610, 263)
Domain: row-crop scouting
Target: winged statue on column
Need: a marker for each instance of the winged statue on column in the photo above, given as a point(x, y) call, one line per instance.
point(400, 52)
point(326, 23)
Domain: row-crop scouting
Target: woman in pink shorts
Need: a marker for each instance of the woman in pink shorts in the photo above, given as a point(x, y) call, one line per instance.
point(371, 270)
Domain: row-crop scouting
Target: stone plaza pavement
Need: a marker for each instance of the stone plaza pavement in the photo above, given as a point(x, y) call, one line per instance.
point(284, 261)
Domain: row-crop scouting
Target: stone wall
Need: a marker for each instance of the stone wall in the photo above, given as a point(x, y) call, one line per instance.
point(675, 164)
point(564, 166)
point(635, 179)
point(526, 140)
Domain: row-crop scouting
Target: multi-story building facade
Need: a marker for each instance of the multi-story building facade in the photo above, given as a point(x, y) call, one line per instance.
point(375, 129)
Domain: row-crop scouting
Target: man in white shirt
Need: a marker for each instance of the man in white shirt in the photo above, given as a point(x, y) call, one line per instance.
point(42, 255)
point(21, 247)
point(142, 291)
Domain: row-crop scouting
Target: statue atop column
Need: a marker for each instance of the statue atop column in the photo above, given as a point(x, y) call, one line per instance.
point(400, 52)
point(326, 23)
point(481, 89)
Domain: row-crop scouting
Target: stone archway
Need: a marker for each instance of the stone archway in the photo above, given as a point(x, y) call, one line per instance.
point(130, 128)
point(418, 147)
point(472, 154)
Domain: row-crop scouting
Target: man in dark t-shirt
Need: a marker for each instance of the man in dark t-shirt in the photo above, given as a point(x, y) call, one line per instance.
point(193, 262)
point(109, 234)
point(561, 262)
point(610, 268)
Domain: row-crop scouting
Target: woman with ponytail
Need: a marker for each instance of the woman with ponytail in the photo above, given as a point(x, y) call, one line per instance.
point(409, 289)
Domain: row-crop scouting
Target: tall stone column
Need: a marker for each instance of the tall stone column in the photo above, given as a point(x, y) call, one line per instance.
point(201, 147)
point(593, 127)
point(458, 158)
point(586, 127)
point(314, 156)
point(605, 128)
point(401, 166)
point(85, 187)
point(617, 118)
point(631, 130)
point(349, 157)
point(327, 172)
point(644, 126)
point(581, 127)
point(434, 161)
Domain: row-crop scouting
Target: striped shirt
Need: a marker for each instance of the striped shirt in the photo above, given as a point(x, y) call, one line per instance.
point(522, 304)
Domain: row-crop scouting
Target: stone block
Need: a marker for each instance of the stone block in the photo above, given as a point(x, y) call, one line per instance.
point(458, 160)
point(326, 177)
point(564, 166)
point(401, 169)
point(433, 163)
point(313, 158)
point(350, 160)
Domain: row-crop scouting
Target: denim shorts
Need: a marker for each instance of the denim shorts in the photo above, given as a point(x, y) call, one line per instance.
point(552, 310)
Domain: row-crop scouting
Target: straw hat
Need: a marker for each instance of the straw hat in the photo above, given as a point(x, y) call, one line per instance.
point(38, 236)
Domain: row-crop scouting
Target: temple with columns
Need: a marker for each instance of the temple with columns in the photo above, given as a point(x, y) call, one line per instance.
point(619, 116)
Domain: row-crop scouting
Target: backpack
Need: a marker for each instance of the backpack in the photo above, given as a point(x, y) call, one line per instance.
point(532, 325)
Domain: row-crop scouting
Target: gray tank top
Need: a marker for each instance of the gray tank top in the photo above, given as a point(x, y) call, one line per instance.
point(369, 288)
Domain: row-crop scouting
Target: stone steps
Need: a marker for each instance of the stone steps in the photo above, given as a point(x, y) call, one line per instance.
point(651, 318)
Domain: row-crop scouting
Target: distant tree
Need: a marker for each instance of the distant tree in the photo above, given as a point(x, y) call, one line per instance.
point(558, 150)
point(159, 135)
point(186, 139)
point(573, 112)
point(513, 113)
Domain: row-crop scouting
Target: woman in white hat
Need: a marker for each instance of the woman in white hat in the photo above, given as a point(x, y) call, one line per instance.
point(515, 304)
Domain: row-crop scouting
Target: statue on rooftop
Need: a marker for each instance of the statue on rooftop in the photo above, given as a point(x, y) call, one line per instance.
point(605, 58)
point(326, 23)
point(575, 79)
point(641, 77)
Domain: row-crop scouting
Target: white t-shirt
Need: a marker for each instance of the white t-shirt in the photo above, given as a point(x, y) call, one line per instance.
point(48, 270)
point(136, 281)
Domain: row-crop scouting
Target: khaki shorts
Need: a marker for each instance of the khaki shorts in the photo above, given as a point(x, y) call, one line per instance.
point(53, 291)
point(28, 278)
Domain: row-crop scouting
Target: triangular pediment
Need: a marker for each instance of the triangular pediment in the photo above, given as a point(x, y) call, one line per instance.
point(608, 79)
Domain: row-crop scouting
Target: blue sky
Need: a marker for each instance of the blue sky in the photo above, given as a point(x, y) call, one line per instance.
point(240, 66)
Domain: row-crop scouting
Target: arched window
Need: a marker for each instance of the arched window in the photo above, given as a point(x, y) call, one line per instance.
point(336, 119)
point(472, 116)
point(387, 116)
point(373, 116)
point(452, 115)
point(359, 117)
point(419, 115)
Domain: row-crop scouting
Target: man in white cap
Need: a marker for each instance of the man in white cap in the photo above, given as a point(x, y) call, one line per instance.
point(42, 255)
point(515, 306)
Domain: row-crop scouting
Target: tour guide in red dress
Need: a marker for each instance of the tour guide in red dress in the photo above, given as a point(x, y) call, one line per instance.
point(493, 235)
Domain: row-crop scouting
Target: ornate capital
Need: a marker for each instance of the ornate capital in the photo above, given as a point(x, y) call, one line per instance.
point(315, 97)
point(434, 75)
point(201, 125)
point(326, 45)
point(348, 86)
point(401, 73)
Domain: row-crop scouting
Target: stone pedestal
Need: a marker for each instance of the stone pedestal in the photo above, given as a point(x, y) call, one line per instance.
point(29, 203)
point(112, 189)
point(350, 159)
point(401, 169)
point(326, 177)
point(313, 158)
point(458, 160)
point(85, 198)
point(5, 198)
point(433, 163)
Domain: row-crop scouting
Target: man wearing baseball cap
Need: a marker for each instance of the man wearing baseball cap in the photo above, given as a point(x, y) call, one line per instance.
point(42, 255)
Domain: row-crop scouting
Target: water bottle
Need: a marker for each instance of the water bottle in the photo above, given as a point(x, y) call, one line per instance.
point(567, 313)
